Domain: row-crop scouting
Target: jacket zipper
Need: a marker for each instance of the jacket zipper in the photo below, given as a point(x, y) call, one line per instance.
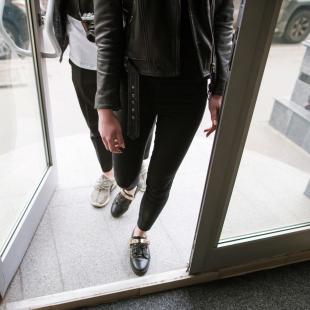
point(194, 35)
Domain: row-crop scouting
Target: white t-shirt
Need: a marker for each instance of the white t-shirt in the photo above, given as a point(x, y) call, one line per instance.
point(83, 53)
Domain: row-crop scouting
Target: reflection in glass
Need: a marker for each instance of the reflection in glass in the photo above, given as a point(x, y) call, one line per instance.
point(272, 189)
point(22, 153)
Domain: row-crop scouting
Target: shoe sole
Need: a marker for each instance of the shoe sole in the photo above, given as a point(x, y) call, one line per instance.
point(97, 205)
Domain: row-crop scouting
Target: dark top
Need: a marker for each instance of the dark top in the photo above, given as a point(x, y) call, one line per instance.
point(76, 7)
point(189, 63)
point(72, 9)
point(188, 87)
point(188, 54)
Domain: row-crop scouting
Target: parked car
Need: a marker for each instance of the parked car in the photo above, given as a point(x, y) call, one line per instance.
point(15, 23)
point(293, 24)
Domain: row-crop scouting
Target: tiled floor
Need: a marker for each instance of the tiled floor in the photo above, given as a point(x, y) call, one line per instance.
point(77, 246)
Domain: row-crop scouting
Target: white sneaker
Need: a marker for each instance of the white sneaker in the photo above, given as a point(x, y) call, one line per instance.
point(100, 196)
point(142, 178)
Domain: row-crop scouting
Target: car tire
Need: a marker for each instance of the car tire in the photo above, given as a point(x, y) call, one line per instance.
point(298, 27)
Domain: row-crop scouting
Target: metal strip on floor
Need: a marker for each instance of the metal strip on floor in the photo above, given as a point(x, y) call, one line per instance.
point(137, 287)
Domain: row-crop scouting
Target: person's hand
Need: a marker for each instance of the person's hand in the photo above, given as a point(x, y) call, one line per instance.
point(110, 131)
point(215, 104)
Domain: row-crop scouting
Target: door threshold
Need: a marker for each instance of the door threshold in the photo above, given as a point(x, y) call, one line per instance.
point(155, 283)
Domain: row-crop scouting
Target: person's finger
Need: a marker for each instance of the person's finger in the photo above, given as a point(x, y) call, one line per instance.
point(118, 148)
point(210, 130)
point(106, 144)
point(115, 150)
point(115, 142)
point(120, 139)
point(111, 144)
point(114, 146)
point(214, 116)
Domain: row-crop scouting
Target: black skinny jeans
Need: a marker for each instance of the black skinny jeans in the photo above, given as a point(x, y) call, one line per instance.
point(179, 106)
point(85, 84)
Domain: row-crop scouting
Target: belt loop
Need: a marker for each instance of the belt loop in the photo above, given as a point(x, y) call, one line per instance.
point(133, 121)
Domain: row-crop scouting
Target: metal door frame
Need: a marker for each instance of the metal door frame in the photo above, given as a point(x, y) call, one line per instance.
point(30, 219)
point(254, 38)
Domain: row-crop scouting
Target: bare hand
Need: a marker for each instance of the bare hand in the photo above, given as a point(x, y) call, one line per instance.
point(110, 131)
point(215, 104)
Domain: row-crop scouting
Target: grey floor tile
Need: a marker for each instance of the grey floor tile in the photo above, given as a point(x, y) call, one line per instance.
point(71, 196)
point(14, 291)
point(180, 215)
point(40, 273)
point(76, 161)
point(87, 254)
point(165, 253)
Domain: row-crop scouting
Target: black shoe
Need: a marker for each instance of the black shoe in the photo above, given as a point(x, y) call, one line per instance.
point(140, 256)
point(121, 204)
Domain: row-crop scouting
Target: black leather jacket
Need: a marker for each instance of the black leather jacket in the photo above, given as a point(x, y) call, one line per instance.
point(146, 32)
point(61, 9)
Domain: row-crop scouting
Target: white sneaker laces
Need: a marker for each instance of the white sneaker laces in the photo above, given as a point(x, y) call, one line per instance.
point(104, 183)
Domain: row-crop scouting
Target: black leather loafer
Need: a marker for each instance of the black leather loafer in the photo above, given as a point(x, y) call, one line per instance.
point(140, 256)
point(121, 204)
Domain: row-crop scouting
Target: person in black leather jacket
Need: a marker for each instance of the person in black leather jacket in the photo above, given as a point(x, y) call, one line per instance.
point(155, 59)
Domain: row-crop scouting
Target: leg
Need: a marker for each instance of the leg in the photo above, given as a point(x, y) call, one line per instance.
point(177, 122)
point(127, 165)
point(175, 130)
point(85, 84)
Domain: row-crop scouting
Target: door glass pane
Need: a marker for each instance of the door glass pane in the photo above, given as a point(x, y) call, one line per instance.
point(272, 189)
point(22, 151)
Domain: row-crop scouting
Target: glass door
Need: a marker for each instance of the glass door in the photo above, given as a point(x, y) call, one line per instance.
point(256, 204)
point(27, 167)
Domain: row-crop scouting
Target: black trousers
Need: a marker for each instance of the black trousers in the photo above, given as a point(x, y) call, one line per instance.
point(85, 85)
point(178, 105)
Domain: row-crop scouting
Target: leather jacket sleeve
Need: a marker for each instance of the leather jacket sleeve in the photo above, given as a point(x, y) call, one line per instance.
point(110, 42)
point(223, 33)
point(59, 22)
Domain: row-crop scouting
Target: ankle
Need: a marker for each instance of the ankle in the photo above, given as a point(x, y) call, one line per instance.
point(109, 174)
point(138, 232)
point(130, 192)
